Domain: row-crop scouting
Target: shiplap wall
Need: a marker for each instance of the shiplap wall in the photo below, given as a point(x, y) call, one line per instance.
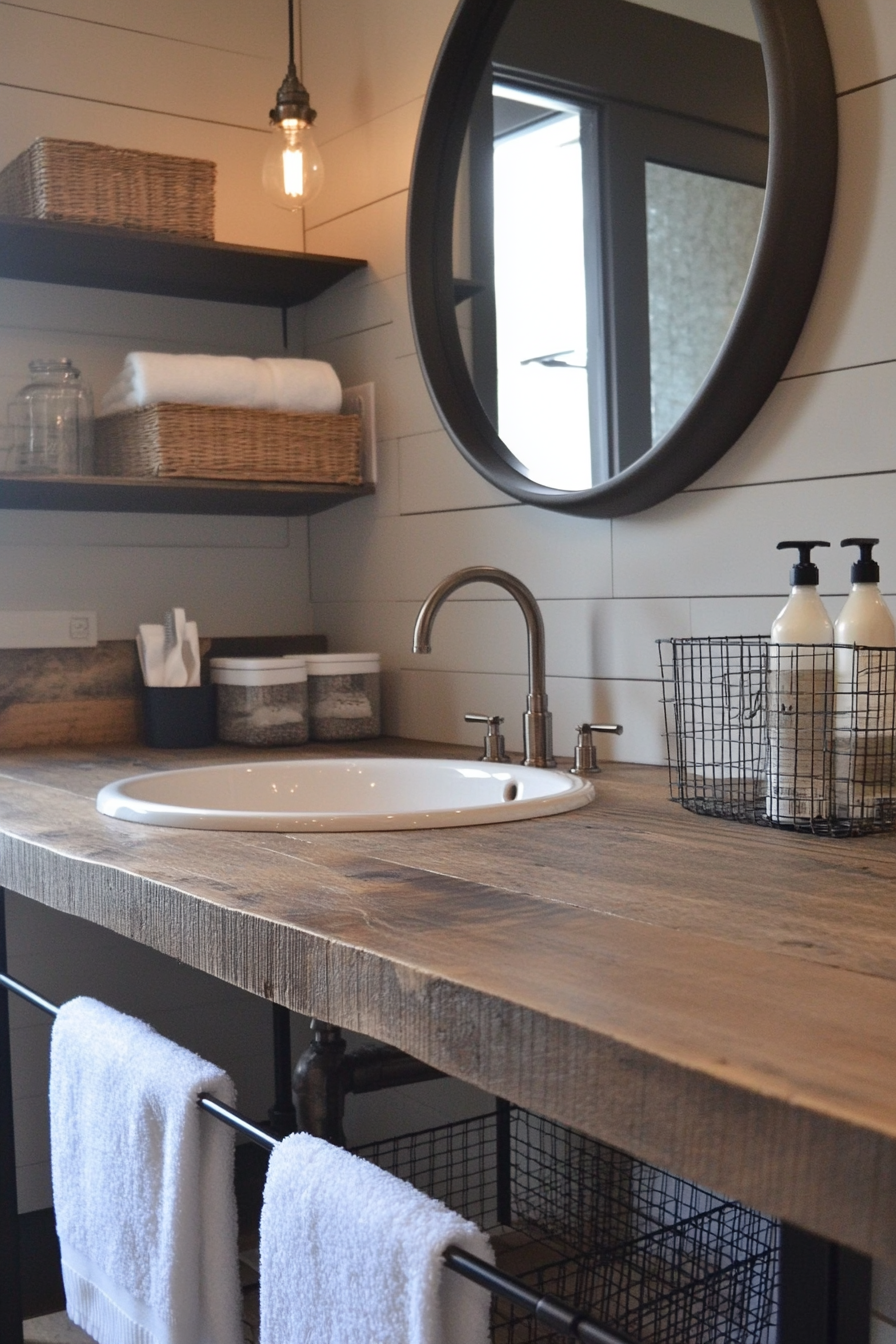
point(193, 79)
point(198, 79)
point(820, 459)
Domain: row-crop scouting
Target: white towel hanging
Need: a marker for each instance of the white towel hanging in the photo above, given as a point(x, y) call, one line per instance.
point(350, 1254)
point(142, 1183)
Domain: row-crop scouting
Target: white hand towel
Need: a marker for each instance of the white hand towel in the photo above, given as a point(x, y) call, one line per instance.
point(350, 1253)
point(304, 385)
point(142, 1183)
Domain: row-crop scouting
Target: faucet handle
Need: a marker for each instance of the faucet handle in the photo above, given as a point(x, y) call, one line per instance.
point(586, 751)
point(493, 743)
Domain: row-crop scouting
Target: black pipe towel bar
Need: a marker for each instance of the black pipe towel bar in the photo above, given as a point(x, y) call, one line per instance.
point(550, 1311)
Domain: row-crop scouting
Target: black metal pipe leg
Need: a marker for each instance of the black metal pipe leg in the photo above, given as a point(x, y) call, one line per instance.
point(282, 1115)
point(325, 1075)
point(825, 1293)
point(10, 1261)
point(319, 1085)
point(503, 1162)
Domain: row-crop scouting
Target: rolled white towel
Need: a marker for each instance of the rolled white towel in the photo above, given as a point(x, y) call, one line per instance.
point(310, 386)
point(149, 377)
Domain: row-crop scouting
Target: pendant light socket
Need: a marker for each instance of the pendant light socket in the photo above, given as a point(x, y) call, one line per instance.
point(292, 100)
point(293, 171)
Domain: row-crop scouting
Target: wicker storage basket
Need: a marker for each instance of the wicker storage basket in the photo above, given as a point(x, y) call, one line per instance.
point(230, 443)
point(95, 184)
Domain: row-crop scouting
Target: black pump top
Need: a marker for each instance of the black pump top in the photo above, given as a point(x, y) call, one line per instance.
point(864, 570)
point(804, 574)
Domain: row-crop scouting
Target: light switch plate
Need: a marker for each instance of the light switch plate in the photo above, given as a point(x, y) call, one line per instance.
point(360, 401)
point(47, 629)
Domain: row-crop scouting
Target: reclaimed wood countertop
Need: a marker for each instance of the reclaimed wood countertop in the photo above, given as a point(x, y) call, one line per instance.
point(716, 998)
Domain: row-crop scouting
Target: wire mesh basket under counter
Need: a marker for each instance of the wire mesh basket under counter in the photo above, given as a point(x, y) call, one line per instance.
point(801, 736)
point(651, 1255)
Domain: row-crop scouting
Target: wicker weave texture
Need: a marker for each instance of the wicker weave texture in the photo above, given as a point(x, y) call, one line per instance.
point(229, 443)
point(85, 183)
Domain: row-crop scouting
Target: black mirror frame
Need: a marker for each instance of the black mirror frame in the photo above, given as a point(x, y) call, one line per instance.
point(790, 250)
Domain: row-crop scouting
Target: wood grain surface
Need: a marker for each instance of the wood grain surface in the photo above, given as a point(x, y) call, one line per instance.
point(716, 998)
point(92, 697)
point(69, 697)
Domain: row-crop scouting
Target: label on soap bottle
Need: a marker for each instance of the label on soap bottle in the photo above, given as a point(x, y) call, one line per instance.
point(864, 746)
point(800, 700)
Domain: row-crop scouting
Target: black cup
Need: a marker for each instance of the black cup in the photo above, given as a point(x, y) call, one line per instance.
point(179, 716)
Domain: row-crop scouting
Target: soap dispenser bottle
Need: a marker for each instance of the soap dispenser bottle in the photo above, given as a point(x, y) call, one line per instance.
point(864, 689)
point(865, 619)
point(800, 689)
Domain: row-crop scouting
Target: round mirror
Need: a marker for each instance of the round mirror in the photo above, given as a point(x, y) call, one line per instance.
point(618, 216)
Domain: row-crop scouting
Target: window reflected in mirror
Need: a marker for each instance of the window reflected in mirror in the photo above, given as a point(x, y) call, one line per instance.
point(607, 212)
point(541, 323)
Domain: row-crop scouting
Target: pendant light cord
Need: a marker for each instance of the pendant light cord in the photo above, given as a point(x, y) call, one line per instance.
point(292, 96)
point(292, 42)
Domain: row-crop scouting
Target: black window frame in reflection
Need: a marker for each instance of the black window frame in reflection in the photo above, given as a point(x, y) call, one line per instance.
point(671, 114)
point(781, 285)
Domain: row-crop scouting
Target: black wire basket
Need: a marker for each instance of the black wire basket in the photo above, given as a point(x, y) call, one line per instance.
point(649, 1254)
point(800, 736)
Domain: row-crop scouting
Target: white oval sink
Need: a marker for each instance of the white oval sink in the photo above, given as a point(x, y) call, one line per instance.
point(366, 794)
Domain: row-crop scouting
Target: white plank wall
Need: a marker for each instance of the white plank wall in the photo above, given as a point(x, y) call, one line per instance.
point(819, 460)
point(195, 79)
point(198, 79)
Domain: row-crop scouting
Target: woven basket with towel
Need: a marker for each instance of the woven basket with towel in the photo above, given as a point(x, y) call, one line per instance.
point(227, 417)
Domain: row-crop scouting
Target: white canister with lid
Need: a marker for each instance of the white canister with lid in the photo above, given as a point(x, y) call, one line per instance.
point(262, 702)
point(343, 696)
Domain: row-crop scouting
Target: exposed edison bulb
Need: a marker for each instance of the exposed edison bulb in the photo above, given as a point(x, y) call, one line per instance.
point(293, 171)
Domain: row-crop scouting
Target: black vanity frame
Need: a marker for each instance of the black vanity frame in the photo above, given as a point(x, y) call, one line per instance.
point(825, 1288)
point(789, 254)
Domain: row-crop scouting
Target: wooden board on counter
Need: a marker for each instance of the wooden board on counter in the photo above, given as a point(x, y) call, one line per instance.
point(93, 696)
point(68, 697)
point(716, 999)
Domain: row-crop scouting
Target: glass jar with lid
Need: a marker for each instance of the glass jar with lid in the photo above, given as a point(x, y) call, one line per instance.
point(52, 421)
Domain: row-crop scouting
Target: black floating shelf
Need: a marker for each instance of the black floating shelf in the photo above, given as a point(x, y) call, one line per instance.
point(154, 263)
point(123, 494)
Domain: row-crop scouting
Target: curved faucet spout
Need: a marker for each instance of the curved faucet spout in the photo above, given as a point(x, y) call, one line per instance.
point(537, 735)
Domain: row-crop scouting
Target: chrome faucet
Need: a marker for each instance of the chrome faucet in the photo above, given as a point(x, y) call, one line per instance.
point(537, 735)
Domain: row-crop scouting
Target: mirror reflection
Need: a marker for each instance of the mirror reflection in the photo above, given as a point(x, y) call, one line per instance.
point(606, 214)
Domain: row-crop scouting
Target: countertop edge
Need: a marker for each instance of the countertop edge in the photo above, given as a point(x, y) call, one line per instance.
point(820, 1172)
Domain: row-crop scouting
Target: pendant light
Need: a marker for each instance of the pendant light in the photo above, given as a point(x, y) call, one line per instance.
point(293, 172)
